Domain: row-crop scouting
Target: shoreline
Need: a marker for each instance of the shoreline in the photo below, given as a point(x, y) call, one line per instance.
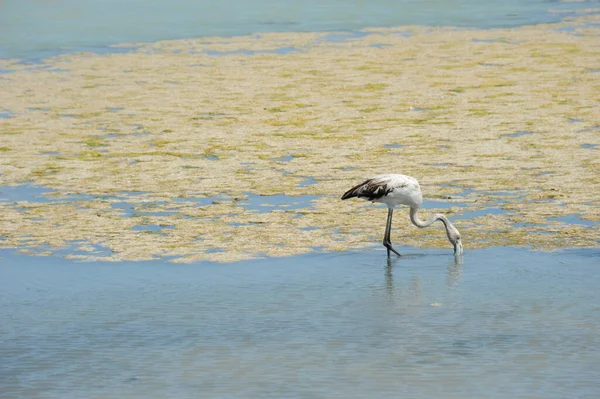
point(169, 150)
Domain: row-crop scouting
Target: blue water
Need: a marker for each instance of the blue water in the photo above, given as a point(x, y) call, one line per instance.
point(35, 29)
point(500, 323)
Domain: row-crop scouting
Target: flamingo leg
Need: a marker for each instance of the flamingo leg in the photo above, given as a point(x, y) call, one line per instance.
point(387, 242)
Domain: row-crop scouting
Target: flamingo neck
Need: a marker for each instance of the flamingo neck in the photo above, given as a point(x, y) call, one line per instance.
point(414, 218)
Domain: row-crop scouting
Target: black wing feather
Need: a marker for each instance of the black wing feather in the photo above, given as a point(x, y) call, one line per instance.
point(370, 189)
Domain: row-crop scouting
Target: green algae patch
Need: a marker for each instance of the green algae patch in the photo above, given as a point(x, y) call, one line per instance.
point(95, 142)
point(501, 124)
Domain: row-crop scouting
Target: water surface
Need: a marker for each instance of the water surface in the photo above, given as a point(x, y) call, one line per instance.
point(502, 323)
point(36, 29)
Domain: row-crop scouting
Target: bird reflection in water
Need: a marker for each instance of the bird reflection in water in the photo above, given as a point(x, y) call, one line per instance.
point(453, 275)
point(454, 271)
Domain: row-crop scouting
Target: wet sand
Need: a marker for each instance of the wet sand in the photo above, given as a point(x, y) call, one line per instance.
point(499, 124)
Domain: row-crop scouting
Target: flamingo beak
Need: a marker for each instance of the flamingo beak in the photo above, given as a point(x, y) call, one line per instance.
point(458, 248)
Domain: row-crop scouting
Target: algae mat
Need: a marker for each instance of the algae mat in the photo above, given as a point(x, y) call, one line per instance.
point(170, 149)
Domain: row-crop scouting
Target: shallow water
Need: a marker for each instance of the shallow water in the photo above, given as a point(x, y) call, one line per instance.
point(34, 29)
point(502, 323)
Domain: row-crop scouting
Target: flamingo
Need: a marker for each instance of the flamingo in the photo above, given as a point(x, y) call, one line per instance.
point(396, 189)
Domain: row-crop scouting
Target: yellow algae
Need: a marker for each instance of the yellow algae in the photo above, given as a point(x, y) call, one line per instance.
point(492, 112)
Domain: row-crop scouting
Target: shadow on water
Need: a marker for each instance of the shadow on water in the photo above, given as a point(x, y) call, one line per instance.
point(501, 322)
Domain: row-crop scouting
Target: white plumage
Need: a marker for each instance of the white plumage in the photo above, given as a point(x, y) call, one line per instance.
point(396, 189)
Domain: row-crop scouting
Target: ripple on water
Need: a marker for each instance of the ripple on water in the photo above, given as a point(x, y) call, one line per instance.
point(501, 322)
